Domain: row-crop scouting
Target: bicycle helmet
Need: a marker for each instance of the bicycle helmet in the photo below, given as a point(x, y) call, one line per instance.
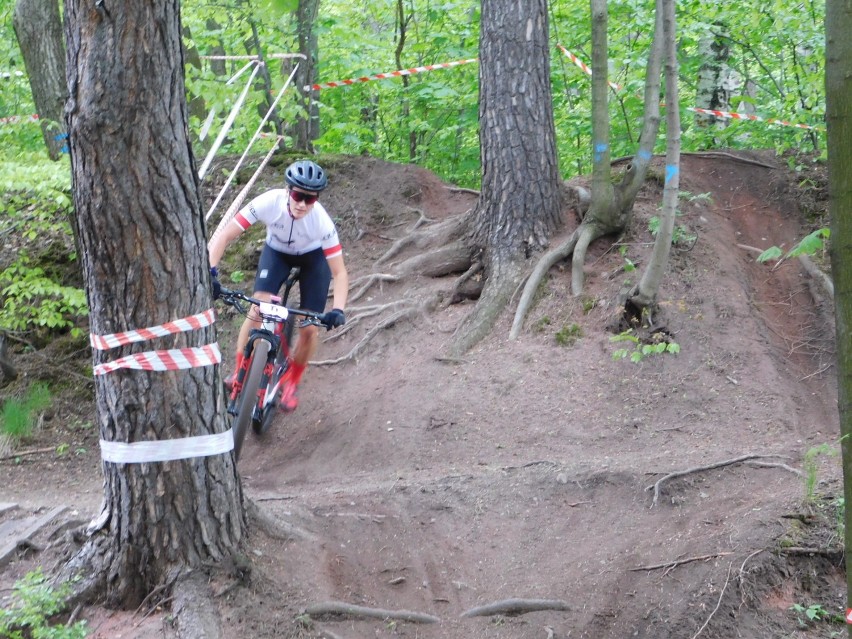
point(306, 175)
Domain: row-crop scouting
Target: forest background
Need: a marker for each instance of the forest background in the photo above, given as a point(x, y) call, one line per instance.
point(430, 118)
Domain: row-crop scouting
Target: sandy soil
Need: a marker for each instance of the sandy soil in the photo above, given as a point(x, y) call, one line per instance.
point(527, 470)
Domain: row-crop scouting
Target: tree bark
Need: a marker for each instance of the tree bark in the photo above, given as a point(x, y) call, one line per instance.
point(141, 232)
point(38, 28)
point(306, 127)
point(520, 200)
point(838, 94)
point(645, 298)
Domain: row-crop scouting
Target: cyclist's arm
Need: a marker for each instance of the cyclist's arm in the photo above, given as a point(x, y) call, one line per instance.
point(340, 286)
point(220, 241)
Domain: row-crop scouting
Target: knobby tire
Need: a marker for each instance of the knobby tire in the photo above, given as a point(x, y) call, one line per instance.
point(270, 411)
point(248, 396)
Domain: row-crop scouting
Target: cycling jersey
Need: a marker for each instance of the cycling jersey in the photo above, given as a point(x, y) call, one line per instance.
point(286, 234)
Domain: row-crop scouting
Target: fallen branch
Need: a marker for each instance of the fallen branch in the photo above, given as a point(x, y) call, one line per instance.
point(458, 189)
point(515, 607)
point(697, 469)
point(24, 453)
point(679, 562)
point(343, 609)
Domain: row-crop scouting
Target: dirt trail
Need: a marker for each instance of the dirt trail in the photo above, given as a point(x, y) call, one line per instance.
point(523, 471)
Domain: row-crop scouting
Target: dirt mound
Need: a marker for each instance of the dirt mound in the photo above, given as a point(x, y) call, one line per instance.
point(664, 498)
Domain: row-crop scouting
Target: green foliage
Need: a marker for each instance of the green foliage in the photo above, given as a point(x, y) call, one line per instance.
point(809, 245)
point(36, 603)
point(33, 299)
point(629, 266)
point(680, 234)
point(18, 416)
point(637, 350)
point(814, 613)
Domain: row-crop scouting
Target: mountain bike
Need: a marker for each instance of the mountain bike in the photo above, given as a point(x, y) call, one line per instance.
point(257, 387)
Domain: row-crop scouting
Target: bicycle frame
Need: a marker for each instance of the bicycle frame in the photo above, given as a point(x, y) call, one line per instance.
point(273, 329)
point(264, 359)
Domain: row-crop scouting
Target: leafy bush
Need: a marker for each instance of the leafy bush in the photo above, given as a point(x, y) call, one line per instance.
point(37, 601)
point(32, 299)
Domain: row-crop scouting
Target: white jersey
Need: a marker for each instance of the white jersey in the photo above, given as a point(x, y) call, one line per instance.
point(286, 234)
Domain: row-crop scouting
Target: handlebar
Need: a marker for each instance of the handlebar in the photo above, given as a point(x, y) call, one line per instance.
point(271, 311)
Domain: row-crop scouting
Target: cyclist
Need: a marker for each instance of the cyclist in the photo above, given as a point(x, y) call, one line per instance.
point(299, 232)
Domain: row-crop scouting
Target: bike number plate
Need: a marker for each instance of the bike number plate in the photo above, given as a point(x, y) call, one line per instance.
point(273, 310)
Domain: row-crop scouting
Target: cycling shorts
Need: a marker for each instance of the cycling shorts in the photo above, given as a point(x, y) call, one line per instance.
point(314, 276)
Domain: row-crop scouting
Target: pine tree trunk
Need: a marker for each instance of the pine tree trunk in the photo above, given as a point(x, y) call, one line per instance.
point(520, 202)
point(141, 233)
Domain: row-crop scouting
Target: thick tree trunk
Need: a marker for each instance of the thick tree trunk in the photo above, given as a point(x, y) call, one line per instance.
point(141, 233)
point(520, 202)
point(38, 28)
point(306, 127)
point(838, 94)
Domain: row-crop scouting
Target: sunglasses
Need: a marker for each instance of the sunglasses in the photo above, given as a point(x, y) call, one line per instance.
point(298, 196)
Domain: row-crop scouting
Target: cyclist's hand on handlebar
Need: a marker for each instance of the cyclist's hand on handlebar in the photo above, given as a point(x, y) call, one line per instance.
point(215, 284)
point(333, 318)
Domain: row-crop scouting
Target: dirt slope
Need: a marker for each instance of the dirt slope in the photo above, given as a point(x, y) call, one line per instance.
point(410, 482)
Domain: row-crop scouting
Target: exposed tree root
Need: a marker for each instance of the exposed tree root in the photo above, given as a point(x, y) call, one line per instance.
point(404, 313)
point(544, 264)
point(452, 257)
point(341, 609)
point(274, 528)
point(437, 235)
point(367, 282)
point(456, 294)
point(697, 469)
point(195, 612)
point(515, 607)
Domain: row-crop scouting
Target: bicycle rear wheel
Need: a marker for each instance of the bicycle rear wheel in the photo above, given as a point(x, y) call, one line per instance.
point(248, 396)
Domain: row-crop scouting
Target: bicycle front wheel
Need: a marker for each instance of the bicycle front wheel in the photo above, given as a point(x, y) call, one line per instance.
point(273, 391)
point(248, 396)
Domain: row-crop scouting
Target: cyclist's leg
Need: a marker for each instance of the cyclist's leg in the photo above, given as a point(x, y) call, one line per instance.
point(314, 280)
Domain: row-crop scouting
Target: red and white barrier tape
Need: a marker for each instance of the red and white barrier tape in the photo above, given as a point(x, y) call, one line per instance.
point(384, 76)
point(747, 116)
point(169, 360)
point(582, 65)
point(719, 114)
point(114, 340)
point(18, 119)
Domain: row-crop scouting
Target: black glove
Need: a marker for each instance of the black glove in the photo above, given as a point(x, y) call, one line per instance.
point(215, 284)
point(333, 318)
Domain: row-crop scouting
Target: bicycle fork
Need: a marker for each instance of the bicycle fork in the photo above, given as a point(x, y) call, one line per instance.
point(248, 354)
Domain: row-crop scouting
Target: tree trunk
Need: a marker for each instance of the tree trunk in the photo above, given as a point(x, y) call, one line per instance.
point(610, 207)
point(838, 98)
point(712, 92)
point(306, 127)
point(38, 28)
point(141, 232)
point(649, 285)
point(520, 201)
